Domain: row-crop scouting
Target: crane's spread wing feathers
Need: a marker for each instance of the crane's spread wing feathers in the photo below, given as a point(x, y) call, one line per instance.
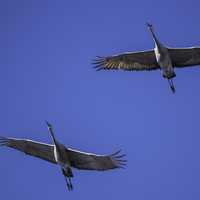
point(33, 148)
point(185, 57)
point(77, 159)
point(89, 161)
point(136, 61)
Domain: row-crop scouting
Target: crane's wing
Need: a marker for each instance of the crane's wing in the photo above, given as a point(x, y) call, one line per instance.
point(185, 57)
point(135, 61)
point(89, 161)
point(33, 148)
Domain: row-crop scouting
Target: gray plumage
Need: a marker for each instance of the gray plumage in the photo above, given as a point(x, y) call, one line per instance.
point(146, 60)
point(68, 158)
point(78, 159)
point(161, 57)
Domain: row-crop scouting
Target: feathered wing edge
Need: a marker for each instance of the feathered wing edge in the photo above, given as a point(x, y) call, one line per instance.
point(117, 159)
point(30, 147)
point(78, 159)
point(128, 61)
point(99, 63)
point(90, 161)
point(4, 141)
point(113, 63)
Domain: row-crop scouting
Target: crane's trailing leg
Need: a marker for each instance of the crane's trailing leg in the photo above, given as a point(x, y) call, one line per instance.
point(68, 175)
point(70, 184)
point(171, 84)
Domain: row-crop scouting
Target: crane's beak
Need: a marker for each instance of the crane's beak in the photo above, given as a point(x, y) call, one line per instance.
point(48, 124)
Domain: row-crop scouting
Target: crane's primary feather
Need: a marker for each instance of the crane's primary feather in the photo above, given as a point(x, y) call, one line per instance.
point(136, 61)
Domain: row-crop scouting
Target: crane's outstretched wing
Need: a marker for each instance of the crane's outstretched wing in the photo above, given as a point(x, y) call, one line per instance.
point(80, 160)
point(89, 161)
point(136, 61)
point(185, 57)
point(33, 148)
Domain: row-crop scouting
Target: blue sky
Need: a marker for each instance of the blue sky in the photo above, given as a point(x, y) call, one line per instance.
point(46, 74)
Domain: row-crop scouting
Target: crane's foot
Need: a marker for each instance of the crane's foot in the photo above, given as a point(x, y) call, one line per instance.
point(173, 89)
point(69, 186)
point(171, 84)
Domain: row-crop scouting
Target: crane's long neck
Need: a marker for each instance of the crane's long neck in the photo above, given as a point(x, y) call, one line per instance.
point(157, 42)
point(52, 135)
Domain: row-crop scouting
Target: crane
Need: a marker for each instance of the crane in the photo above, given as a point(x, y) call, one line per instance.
point(161, 57)
point(66, 158)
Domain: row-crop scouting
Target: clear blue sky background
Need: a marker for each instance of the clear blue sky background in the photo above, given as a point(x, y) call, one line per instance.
point(46, 49)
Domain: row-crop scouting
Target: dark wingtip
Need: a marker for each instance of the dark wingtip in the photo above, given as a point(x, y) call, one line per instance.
point(3, 141)
point(121, 167)
point(119, 156)
point(120, 163)
point(98, 63)
point(116, 153)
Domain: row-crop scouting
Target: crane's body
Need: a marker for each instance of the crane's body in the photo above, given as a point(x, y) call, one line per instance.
point(62, 158)
point(161, 57)
point(164, 61)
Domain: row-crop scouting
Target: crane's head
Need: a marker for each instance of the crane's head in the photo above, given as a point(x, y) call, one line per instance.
point(49, 125)
point(150, 26)
point(151, 29)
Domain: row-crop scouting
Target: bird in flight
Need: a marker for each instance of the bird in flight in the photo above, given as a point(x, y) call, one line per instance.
point(66, 158)
point(161, 57)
